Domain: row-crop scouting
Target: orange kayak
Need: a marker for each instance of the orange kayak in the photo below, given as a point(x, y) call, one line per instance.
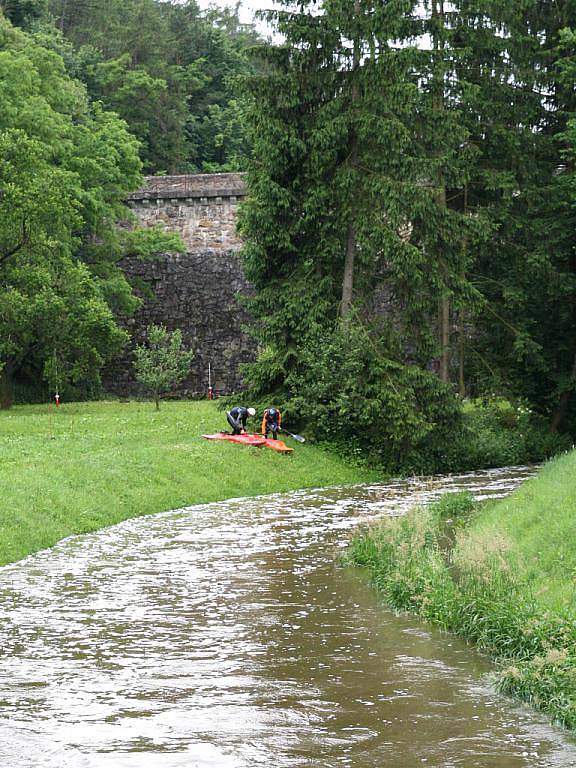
point(278, 445)
point(256, 440)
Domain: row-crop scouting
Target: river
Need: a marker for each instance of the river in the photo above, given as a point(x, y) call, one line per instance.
point(229, 636)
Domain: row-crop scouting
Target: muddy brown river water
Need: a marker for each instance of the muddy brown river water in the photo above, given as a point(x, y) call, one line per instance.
point(228, 636)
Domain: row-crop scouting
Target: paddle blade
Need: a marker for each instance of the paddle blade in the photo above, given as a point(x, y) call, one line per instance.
point(298, 438)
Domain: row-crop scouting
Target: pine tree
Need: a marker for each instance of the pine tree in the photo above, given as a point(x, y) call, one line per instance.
point(22, 13)
point(525, 101)
point(354, 152)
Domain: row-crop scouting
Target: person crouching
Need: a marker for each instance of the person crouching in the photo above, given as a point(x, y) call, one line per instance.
point(237, 418)
point(271, 422)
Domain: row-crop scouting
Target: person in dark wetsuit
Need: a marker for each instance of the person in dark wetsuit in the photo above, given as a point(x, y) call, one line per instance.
point(237, 418)
point(271, 422)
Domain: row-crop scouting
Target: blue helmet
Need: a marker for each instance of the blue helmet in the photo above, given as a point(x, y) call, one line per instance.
point(272, 412)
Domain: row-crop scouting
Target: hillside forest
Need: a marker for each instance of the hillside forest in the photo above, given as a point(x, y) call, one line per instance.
point(409, 229)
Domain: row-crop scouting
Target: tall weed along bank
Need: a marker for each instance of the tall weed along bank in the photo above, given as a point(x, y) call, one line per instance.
point(460, 567)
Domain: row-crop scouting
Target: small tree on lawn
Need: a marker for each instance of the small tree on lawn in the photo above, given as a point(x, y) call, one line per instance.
point(161, 363)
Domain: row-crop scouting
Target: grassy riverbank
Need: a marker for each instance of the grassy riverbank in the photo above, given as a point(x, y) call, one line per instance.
point(502, 576)
point(84, 466)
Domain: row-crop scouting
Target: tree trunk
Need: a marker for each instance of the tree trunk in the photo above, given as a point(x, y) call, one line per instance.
point(438, 105)
point(348, 279)
point(461, 353)
point(562, 409)
point(350, 257)
point(62, 15)
point(462, 313)
point(6, 386)
point(445, 340)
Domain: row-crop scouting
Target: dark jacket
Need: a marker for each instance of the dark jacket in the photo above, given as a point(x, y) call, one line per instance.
point(237, 418)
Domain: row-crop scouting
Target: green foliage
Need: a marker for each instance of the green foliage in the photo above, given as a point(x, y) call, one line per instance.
point(65, 169)
point(22, 13)
point(320, 120)
point(147, 243)
point(546, 678)
point(54, 311)
point(406, 563)
point(452, 187)
point(454, 505)
point(349, 390)
point(353, 157)
point(222, 144)
point(168, 70)
point(161, 364)
point(497, 433)
point(522, 345)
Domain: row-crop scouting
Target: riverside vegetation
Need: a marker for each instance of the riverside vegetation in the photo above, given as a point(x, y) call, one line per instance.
point(503, 576)
point(84, 466)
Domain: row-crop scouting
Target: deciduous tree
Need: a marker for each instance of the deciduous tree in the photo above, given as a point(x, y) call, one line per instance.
point(161, 364)
point(66, 167)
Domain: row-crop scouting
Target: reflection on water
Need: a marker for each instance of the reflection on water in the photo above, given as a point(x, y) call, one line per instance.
point(227, 636)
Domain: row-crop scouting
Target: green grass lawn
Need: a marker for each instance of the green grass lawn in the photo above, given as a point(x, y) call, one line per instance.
point(537, 527)
point(84, 466)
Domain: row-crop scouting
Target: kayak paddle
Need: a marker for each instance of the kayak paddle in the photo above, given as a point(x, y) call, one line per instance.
point(298, 438)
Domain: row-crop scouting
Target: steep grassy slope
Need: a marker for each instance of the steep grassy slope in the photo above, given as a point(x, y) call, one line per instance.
point(537, 525)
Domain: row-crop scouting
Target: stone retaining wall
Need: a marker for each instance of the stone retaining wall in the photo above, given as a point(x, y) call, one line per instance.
point(196, 291)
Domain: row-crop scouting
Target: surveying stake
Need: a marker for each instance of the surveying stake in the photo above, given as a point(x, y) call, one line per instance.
point(56, 380)
point(209, 382)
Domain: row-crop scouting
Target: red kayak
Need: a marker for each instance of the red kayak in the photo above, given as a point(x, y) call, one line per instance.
point(244, 439)
point(257, 440)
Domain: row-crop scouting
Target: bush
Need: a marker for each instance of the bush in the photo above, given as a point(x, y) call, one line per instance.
point(352, 393)
point(454, 506)
point(347, 388)
point(36, 390)
point(496, 433)
point(544, 680)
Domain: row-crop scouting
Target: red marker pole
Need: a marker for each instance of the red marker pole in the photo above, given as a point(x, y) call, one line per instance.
point(57, 398)
point(209, 382)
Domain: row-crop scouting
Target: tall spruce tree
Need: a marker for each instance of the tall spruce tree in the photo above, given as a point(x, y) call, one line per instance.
point(353, 153)
point(523, 345)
